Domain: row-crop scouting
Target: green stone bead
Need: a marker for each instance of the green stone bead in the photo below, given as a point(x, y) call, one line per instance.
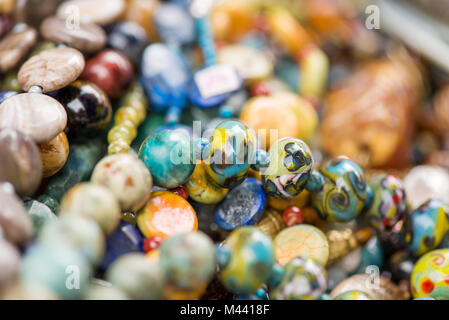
point(40, 214)
point(50, 202)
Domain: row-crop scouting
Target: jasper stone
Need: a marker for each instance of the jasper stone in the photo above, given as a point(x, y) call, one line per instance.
point(51, 69)
point(88, 38)
point(15, 46)
point(54, 154)
point(39, 116)
point(14, 220)
point(101, 12)
point(20, 163)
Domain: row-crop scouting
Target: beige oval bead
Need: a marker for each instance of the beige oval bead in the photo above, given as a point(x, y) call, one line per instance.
point(15, 46)
point(54, 154)
point(88, 38)
point(101, 12)
point(39, 116)
point(51, 69)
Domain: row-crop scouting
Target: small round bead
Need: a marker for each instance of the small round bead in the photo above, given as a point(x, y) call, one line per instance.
point(118, 146)
point(127, 113)
point(151, 243)
point(293, 215)
point(120, 132)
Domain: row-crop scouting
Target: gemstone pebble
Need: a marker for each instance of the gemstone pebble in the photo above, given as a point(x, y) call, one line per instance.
point(15, 46)
point(54, 154)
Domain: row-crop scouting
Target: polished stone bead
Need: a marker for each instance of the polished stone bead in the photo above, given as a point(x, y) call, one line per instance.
point(93, 201)
point(54, 154)
point(40, 214)
point(89, 111)
point(33, 12)
point(39, 116)
point(10, 262)
point(137, 277)
point(87, 37)
point(127, 177)
point(51, 69)
point(243, 205)
point(130, 39)
point(15, 46)
point(20, 163)
point(111, 71)
point(101, 12)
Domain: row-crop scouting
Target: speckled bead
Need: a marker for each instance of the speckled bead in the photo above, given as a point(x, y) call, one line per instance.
point(54, 154)
point(302, 279)
point(231, 153)
point(290, 168)
point(165, 215)
point(201, 189)
point(168, 155)
point(137, 277)
point(388, 203)
point(127, 177)
point(188, 260)
point(15, 46)
point(243, 205)
point(93, 201)
point(344, 193)
point(425, 227)
point(89, 111)
point(430, 275)
point(246, 260)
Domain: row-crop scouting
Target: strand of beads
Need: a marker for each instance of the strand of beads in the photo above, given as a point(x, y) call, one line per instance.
point(128, 117)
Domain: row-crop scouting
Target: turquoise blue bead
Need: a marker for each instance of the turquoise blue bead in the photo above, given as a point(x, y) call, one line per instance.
point(57, 267)
point(372, 254)
point(168, 155)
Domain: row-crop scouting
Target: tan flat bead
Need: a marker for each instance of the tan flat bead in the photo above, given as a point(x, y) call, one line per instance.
point(15, 46)
point(51, 69)
point(88, 38)
point(39, 116)
point(101, 12)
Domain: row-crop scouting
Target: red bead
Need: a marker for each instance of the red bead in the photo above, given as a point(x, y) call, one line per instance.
point(293, 215)
point(260, 89)
point(111, 71)
point(151, 244)
point(181, 191)
point(427, 286)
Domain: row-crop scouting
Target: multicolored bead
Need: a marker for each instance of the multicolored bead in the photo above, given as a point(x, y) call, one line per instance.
point(201, 189)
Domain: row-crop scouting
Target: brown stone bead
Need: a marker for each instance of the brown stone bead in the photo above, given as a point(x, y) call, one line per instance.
point(88, 38)
point(20, 163)
point(14, 220)
point(32, 12)
point(111, 71)
point(39, 116)
point(54, 154)
point(51, 69)
point(101, 12)
point(15, 46)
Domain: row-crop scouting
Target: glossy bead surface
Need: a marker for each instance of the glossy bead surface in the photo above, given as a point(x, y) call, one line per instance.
point(232, 150)
point(130, 39)
point(344, 193)
point(430, 275)
point(246, 260)
point(389, 204)
point(425, 227)
point(301, 240)
point(127, 177)
point(290, 167)
point(54, 154)
point(92, 201)
point(165, 215)
point(243, 205)
point(111, 71)
point(188, 260)
point(201, 189)
point(302, 279)
point(88, 109)
point(168, 155)
point(292, 215)
point(20, 163)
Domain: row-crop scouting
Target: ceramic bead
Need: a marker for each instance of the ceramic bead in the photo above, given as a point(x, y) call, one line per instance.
point(188, 260)
point(130, 39)
point(425, 227)
point(15, 46)
point(301, 240)
point(243, 205)
point(54, 154)
point(201, 189)
point(88, 108)
point(93, 201)
point(102, 12)
point(290, 167)
point(168, 155)
point(51, 69)
point(302, 279)
point(165, 215)
point(20, 163)
point(344, 193)
point(127, 177)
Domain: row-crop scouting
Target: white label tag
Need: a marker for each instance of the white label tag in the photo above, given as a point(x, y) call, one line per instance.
point(216, 80)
